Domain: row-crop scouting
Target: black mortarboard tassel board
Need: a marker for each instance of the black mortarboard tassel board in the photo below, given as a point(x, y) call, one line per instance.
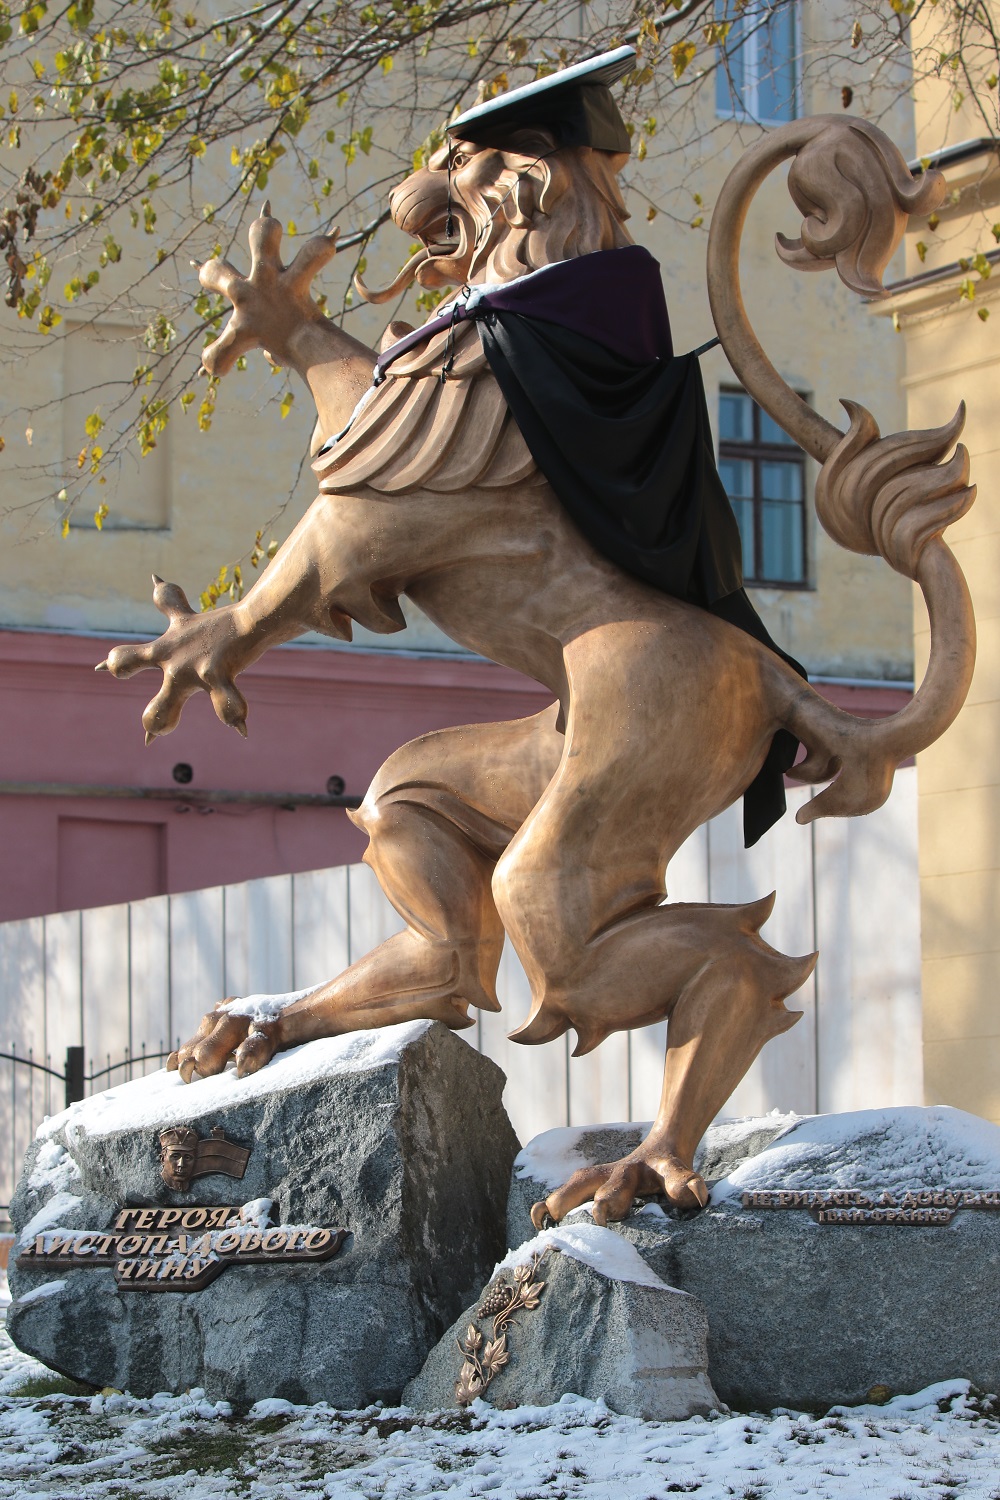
point(575, 104)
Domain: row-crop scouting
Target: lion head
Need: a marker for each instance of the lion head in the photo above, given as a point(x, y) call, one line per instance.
point(509, 211)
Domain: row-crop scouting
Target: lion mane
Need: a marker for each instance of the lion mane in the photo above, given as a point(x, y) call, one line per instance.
point(517, 211)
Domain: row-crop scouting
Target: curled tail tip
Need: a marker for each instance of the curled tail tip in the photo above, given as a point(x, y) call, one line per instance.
point(888, 496)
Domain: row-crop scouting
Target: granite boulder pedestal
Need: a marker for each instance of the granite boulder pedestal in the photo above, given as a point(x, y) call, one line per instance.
point(812, 1298)
point(601, 1324)
point(398, 1137)
point(352, 1247)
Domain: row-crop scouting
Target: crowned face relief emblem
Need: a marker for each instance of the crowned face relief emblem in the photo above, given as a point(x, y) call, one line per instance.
point(183, 1156)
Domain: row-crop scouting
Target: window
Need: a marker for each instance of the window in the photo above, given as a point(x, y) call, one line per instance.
point(764, 475)
point(757, 73)
point(99, 361)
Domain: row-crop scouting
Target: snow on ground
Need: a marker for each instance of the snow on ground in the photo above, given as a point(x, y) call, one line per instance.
point(943, 1444)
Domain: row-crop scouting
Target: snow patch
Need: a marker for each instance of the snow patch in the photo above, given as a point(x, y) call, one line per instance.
point(49, 1215)
point(555, 1154)
point(725, 1137)
point(264, 1007)
point(54, 1170)
point(602, 1250)
point(896, 1149)
point(257, 1213)
point(893, 1149)
point(47, 1289)
point(161, 1099)
point(274, 1406)
point(939, 1441)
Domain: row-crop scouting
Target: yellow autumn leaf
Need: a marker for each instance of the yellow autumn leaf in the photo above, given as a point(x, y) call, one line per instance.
point(682, 55)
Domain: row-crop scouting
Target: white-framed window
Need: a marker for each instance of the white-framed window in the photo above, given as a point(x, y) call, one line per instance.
point(757, 77)
point(763, 472)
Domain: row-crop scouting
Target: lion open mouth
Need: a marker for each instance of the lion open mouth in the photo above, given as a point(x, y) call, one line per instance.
point(435, 244)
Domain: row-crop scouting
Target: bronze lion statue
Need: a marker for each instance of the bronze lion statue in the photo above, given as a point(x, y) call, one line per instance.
point(558, 829)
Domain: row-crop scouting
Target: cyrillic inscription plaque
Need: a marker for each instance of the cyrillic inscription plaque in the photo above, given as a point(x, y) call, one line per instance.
point(918, 1206)
point(178, 1249)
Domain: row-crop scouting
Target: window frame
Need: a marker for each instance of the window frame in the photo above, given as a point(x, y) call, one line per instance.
point(126, 479)
point(756, 451)
point(751, 49)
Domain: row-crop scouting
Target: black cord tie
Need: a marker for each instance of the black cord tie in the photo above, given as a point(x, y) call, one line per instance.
point(457, 316)
point(449, 223)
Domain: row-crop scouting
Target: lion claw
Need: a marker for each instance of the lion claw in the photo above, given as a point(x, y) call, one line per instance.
point(255, 1053)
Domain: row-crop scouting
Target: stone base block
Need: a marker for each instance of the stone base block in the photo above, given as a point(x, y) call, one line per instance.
point(598, 1324)
point(397, 1136)
point(808, 1311)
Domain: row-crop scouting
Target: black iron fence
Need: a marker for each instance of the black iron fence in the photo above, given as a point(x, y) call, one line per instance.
point(36, 1089)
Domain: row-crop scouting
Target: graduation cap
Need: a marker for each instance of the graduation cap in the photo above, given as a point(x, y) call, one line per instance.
point(575, 104)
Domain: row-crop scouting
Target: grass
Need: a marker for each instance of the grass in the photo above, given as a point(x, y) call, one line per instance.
point(212, 1452)
point(37, 1386)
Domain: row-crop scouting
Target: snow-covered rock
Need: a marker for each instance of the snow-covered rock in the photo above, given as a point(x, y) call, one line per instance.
point(398, 1136)
point(599, 1324)
point(807, 1314)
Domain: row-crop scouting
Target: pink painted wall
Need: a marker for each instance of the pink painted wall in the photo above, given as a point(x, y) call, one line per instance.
point(313, 714)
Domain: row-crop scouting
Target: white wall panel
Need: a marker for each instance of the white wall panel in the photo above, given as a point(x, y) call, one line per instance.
point(197, 974)
point(868, 927)
point(536, 1094)
point(258, 945)
point(26, 1094)
point(22, 987)
point(63, 982)
point(599, 1082)
point(320, 949)
point(106, 1026)
point(149, 976)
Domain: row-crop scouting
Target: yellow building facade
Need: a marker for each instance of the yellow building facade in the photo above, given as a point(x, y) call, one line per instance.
point(195, 503)
point(949, 318)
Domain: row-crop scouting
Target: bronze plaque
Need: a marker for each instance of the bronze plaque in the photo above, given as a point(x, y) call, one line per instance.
point(921, 1207)
point(178, 1249)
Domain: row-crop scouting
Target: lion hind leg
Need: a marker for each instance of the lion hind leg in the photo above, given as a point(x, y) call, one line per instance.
point(633, 973)
point(720, 1022)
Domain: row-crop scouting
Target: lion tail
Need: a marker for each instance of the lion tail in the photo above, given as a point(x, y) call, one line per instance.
point(890, 497)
